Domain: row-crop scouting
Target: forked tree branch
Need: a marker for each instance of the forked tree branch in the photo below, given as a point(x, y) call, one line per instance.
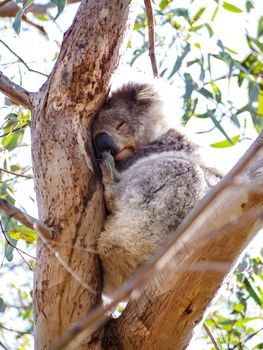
point(18, 94)
point(237, 219)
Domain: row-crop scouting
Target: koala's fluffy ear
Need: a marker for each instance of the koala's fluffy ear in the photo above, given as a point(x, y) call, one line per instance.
point(147, 95)
point(139, 93)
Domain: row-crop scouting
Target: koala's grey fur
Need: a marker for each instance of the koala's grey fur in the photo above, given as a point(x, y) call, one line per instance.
point(152, 178)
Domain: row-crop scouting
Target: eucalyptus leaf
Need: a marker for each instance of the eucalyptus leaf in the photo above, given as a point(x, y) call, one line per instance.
point(2, 305)
point(17, 21)
point(226, 143)
point(60, 6)
point(20, 232)
point(179, 61)
point(252, 292)
point(232, 8)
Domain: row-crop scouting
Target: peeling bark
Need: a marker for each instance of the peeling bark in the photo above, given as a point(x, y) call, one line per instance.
point(68, 192)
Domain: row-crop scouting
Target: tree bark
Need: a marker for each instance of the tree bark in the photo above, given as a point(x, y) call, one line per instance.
point(69, 195)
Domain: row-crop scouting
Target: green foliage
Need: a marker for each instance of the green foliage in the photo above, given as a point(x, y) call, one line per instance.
point(179, 30)
point(60, 6)
point(24, 233)
point(226, 143)
point(239, 326)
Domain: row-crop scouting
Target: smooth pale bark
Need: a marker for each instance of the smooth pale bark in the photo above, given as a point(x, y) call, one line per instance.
point(68, 193)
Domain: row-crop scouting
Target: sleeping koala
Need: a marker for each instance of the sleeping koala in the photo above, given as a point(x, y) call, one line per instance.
point(152, 178)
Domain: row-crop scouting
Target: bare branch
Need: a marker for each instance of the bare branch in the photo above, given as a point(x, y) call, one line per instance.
point(3, 346)
point(14, 130)
point(3, 3)
point(26, 219)
point(150, 20)
point(210, 335)
point(14, 330)
point(18, 94)
point(22, 61)
point(37, 26)
point(10, 8)
point(16, 174)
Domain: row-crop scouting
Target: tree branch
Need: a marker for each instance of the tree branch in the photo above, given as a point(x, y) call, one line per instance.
point(210, 335)
point(14, 330)
point(10, 8)
point(15, 174)
point(21, 60)
point(18, 94)
point(27, 220)
point(235, 216)
point(150, 20)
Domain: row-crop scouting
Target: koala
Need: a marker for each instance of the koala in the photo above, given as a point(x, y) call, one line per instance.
point(152, 177)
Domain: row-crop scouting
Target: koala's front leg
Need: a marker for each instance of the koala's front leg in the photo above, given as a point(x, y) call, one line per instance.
point(110, 177)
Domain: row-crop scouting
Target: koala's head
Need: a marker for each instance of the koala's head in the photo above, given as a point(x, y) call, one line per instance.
point(130, 119)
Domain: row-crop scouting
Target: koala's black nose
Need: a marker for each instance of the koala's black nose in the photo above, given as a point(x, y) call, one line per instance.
point(103, 143)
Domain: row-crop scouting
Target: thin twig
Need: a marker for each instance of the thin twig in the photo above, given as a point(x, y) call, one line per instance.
point(46, 234)
point(20, 251)
point(14, 130)
point(248, 338)
point(150, 21)
point(22, 61)
point(3, 346)
point(3, 3)
point(16, 174)
point(163, 257)
point(62, 262)
point(14, 330)
point(18, 94)
point(37, 26)
point(210, 335)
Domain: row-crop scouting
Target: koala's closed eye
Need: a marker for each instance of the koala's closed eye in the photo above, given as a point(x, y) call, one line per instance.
point(122, 127)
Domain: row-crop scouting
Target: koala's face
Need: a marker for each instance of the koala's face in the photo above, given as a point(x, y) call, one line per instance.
point(128, 120)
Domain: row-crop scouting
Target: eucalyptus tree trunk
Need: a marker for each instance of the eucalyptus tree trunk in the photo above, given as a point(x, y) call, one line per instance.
point(68, 193)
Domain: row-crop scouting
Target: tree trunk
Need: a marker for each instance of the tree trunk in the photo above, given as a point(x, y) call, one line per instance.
point(68, 193)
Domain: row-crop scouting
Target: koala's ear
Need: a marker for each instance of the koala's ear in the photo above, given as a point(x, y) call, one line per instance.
point(147, 95)
point(140, 93)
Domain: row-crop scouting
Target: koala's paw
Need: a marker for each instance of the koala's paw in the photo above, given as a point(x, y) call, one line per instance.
point(109, 172)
